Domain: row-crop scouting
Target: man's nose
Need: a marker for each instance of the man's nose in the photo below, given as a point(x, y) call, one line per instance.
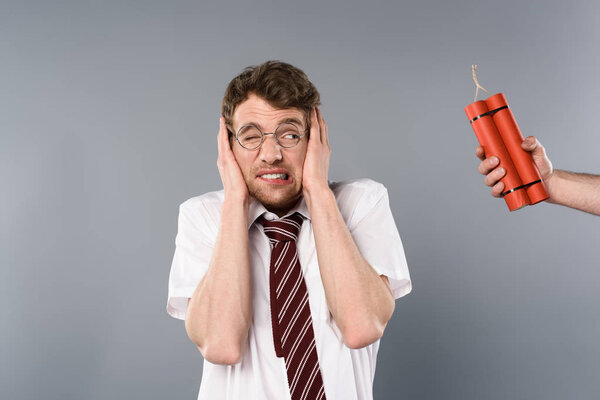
point(270, 151)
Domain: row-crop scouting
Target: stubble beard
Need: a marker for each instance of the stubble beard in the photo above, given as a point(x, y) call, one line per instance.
point(277, 200)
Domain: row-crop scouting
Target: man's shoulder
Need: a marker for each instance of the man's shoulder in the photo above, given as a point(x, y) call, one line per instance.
point(364, 183)
point(356, 197)
point(361, 188)
point(204, 210)
point(210, 199)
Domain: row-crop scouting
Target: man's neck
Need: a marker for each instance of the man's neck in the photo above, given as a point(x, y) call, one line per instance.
point(282, 211)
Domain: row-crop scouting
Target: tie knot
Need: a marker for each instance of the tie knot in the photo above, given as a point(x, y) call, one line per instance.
point(282, 230)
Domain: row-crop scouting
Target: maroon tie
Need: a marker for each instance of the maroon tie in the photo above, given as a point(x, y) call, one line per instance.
point(293, 334)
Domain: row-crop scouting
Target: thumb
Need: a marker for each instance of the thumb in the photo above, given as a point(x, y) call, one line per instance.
point(538, 152)
point(534, 146)
point(530, 143)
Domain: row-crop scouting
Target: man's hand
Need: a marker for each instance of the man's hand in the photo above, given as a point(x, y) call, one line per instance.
point(318, 153)
point(231, 175)
point(493, 175)
point(220, 311)
point(360, 301)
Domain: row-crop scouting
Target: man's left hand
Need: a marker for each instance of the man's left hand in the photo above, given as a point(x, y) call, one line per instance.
point(318, 153)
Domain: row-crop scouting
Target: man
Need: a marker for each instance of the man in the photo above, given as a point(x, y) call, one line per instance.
point(285, 280)
point(575, 190)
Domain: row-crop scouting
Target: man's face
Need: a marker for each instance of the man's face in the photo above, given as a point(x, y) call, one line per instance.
point(277, 195)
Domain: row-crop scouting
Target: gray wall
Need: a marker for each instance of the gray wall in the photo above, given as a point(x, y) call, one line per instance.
point(108, 120)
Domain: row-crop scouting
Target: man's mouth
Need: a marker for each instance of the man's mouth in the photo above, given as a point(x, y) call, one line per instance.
point(275, 176)
point(280, 178)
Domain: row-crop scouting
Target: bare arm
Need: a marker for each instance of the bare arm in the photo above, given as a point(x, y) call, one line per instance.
point(576, 190)
point(360, 301)
point(220, 311)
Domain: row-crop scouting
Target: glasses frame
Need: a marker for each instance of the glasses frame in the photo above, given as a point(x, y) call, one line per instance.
point(301, 133)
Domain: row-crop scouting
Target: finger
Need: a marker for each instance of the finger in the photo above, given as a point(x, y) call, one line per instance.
point(220, 136)
point(315, 129)
point(227, 143)
point(323, 126)
point(488, 164)
point(498, 189)
point(225, 152)
point(480, 153)
point(530, 143)
point(493, 177)
point(534, 146)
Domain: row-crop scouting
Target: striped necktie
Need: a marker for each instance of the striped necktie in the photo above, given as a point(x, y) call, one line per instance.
point(293, 334)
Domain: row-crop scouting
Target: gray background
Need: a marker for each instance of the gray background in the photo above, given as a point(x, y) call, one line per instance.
point(108, 120)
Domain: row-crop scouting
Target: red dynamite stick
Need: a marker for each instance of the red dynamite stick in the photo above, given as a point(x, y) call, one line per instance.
point(490, 139)
point(512, 138)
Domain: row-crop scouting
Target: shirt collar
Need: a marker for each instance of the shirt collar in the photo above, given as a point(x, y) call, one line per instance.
point(257, 209)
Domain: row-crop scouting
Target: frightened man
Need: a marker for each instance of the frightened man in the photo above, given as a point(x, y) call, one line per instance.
point(286, 281)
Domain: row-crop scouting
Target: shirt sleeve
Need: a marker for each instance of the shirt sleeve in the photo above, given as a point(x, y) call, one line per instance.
point(193, 251)
point(378, 240)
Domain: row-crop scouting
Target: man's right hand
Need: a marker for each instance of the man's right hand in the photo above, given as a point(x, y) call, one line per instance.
point(220, 311)
point(231, 175)
point(493, 173)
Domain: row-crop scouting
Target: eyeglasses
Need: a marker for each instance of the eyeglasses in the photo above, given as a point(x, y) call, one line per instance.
point(286, 135)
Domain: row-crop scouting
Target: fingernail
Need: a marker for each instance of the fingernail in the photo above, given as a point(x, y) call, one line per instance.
point(494, 159)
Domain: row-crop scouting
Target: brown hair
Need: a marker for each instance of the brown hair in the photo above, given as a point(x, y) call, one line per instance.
point(282, 85)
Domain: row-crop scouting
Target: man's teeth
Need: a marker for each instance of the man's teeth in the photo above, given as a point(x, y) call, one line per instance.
point(274, 176)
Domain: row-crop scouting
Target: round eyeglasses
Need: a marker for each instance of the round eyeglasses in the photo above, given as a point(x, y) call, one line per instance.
point(286, 135)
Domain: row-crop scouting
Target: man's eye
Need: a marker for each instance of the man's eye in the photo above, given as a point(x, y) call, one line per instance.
point(251, 140)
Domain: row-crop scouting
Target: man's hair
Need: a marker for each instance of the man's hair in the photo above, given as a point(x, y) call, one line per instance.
point(282, 85)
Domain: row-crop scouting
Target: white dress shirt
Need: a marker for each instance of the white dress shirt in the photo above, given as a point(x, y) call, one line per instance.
point(347, 373)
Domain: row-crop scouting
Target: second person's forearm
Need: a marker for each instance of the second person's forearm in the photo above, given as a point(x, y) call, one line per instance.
point(575, 190)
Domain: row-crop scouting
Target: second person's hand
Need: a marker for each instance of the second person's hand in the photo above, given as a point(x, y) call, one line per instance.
point(493, 173)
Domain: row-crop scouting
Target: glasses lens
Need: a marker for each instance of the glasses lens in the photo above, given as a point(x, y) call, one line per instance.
point(249, 137)
point(288, 135)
